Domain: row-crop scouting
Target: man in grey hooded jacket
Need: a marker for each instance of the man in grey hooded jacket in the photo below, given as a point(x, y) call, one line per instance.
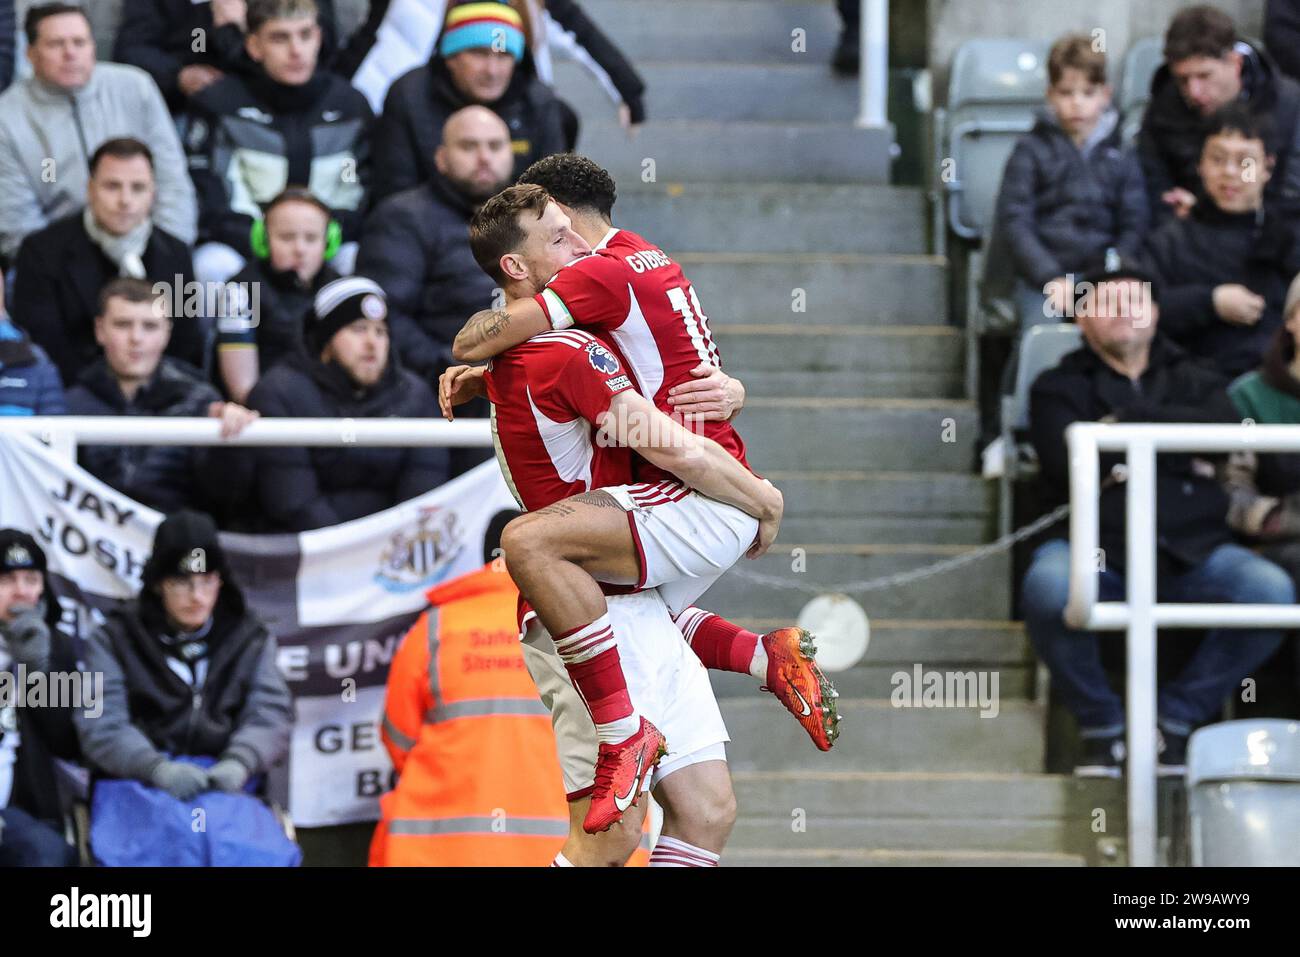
point(52, 123)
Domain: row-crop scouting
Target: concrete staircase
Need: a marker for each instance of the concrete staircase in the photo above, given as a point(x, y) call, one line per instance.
point(817, 281)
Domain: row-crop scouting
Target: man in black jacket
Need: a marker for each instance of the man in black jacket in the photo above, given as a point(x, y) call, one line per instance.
point(31, 819)
point(134, 378)
point(1127, 373)
point(1226, 267)
point(61, 269)
point(470, 68)
point(188, 670)
point(160, 37)
point(346, 371)
point(416, 245)
point(1207, 67)
point(288, 123)
point(1282, 35)
point(416, 242)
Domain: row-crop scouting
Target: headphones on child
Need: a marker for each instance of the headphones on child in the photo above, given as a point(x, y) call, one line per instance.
point(260, 242)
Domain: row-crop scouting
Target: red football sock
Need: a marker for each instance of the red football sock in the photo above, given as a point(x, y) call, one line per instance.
point(591, 657)
point(720, 645)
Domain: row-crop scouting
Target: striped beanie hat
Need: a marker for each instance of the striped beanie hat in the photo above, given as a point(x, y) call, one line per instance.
point(341, 303)
point(472, 26)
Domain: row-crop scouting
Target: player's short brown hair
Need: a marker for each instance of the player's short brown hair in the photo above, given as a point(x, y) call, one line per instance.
point(1199, 31)
point(1075, 51)
point(495, 230)
point(130, 289)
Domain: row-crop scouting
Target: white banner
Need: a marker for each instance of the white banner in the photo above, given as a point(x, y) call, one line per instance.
point(338, 600)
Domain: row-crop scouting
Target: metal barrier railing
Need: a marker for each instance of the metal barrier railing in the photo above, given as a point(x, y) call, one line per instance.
point(63, 433)
point(1140, 614)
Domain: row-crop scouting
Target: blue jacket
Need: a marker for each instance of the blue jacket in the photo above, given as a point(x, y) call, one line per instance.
point(1062, 207)
point(29, 381)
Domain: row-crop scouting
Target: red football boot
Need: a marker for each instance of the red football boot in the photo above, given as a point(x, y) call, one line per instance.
point(797, 682)
point(621, 772)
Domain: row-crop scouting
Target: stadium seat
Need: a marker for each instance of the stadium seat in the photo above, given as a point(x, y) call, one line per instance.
point(1140, 64)
point(994, 90)
point(1040, 349)
point(1243, 794)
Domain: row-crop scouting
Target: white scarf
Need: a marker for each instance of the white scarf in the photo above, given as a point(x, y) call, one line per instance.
point(127, 250)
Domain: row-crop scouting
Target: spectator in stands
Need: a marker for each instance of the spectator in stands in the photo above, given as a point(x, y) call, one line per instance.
point(1126, 372)
point(1282, 35)
point(133, 377)
point(1069, 192)
point(416, 246)
point(1225, 268)
point(61, 269)
point(51, 124)
point(347, 371)
point(188, 671)
point(1264, 489)
point(416, 243)
point(470, 68)
point(288, 268)
point(29, 382)
point(1207, 67)
point(8, 43)
point(160, 36)
point(31, 819)
point(287, 123)
point(396, 37)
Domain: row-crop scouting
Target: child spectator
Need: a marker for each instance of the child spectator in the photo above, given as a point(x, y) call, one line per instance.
point(1226, 267)
point(1069, 193)
point(288, 268)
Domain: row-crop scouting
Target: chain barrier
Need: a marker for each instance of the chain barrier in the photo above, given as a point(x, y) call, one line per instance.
point(915, 574)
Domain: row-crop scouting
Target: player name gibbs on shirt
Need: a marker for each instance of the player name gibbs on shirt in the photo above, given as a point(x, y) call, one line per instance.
point(134, 911)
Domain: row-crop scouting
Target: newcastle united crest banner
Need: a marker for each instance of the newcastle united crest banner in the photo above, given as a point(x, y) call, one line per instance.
point(338, 601)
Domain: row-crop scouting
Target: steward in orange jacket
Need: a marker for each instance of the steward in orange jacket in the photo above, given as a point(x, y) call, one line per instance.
point(480, 781)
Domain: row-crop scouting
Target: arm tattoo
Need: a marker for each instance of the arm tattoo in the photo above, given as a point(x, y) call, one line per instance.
point(486, 324)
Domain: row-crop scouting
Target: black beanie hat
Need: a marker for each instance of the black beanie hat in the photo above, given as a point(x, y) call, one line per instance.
point(340, 303)
point(18, 551)
point(186, 543)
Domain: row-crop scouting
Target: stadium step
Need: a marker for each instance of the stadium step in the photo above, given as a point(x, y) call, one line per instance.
point(885, 507)
point(804, 92)
point(913, 435)
point(964, 592)
point(848, 361)
point(719, 30)
point(723, 153)
point(877, 736)
point(896, 647)
point(844, 289)
point(753, 216)
point(836, 857)
point(804, 816)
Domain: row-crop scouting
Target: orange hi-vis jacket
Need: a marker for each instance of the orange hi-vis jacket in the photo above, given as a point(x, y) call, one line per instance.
point(480, 781)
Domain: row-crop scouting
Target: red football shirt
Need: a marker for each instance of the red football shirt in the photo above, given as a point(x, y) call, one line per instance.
point(633, 293)
point(546, 396)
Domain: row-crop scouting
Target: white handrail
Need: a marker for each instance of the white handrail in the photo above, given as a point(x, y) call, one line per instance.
point(1141, 614)
point(167, 430)
point(873, 65)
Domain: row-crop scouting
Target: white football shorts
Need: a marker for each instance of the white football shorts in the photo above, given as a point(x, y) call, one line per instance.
point(665, 679)
point(685, 541)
